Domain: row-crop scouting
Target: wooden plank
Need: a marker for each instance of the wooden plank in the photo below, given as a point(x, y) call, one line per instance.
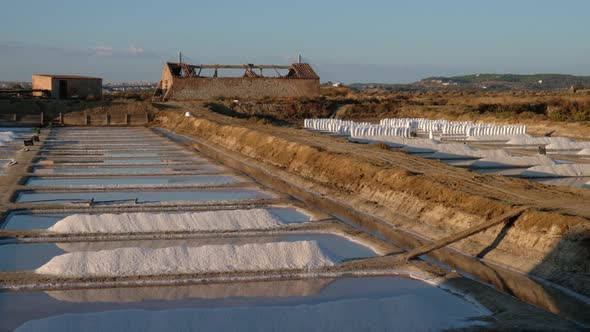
point(461, 235)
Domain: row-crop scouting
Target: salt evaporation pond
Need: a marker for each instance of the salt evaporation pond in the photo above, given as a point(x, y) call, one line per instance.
point(125, 148)
point(29, 256)
point(123, 170)
point(26, 221)
point(215, 194)
point(114, 161)
point(109, 142)
point(344, 304)
point(171, 180)
point(119, 154)
point(93, 149)
point(10, 144)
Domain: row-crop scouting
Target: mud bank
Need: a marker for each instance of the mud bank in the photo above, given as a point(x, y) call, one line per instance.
point(549, 240)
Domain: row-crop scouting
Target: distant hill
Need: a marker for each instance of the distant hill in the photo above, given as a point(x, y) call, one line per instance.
point(490, 82)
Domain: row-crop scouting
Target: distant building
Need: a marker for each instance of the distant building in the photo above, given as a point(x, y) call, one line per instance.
point(181, 81)
point(67, 86)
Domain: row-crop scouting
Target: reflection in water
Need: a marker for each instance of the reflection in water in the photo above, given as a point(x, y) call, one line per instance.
point(281, 288)
point(347, 304)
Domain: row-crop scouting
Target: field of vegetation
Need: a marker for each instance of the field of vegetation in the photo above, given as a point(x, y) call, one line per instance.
point(376, 104)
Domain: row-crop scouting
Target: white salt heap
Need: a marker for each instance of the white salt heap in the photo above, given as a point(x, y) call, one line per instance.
point(530, 140)
point(7, 137)
point(563, 143)
point(184, 260)
point(562, 170)
point(438, 150)
point(483, 138)
point(508, 162)
point(167, 222)
point(585, 152)
point(463, 150)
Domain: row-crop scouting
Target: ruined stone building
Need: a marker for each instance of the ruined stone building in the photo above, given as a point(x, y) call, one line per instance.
point(181, 81)
point(67, 86)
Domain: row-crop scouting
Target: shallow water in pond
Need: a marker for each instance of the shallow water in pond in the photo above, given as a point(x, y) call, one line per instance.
point(117, 154)
point(79, 150)
point(114, 161)
point(72, 143)
point(123, 170)
point(25, 221)
point(134, 181)
point(221, 194)
point(29, 256)
point(343, 304)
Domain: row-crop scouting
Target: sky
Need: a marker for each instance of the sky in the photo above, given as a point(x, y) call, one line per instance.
point(384, 41)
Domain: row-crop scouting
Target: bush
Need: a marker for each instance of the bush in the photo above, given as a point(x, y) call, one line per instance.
point(557, 113)
point(567, 110)
point(334, 91)
point(513, 108)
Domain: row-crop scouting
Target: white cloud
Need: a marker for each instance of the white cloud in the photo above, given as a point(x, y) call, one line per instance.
point(109, 51)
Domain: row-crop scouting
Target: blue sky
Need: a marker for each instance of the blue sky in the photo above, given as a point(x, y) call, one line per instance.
point(349, 41)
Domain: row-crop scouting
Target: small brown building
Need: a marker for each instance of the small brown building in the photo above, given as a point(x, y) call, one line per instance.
point(181, 81)
point(67, 86)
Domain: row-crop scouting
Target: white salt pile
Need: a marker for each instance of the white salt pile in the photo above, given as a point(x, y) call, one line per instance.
point(561, 170)
point(508, 162)
point(449, 151)
point(492, 138)
point(167, 222)
point(585, 152)
point(184, 260)
point(562, 143)
point(414, 145)
point(7, 136)
point(530, 140)
point(435, 310)
point(438, 150)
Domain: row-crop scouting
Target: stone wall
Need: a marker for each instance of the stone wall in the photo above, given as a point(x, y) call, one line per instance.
point(242, 88)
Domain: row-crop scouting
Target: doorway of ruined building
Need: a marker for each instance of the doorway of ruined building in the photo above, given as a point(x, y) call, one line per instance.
point(63, 89)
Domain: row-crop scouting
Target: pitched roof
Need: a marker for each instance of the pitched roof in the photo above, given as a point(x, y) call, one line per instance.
point(302, 70)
